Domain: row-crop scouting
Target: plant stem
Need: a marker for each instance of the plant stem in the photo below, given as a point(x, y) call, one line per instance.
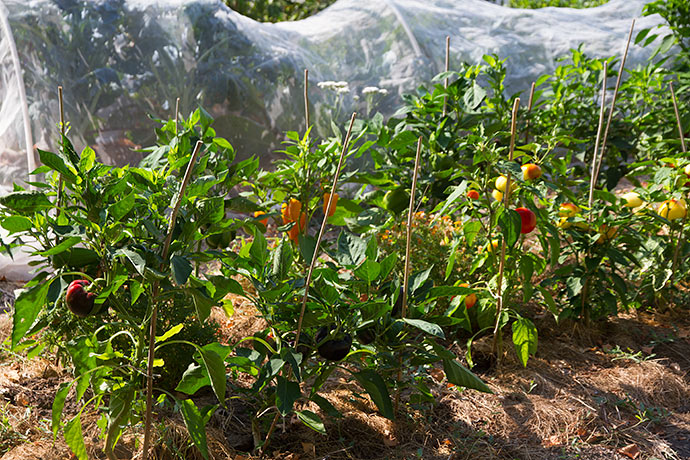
point(154, 313)
point(502, 261)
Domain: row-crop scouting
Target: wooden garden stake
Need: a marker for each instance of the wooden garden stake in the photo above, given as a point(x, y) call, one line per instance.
point(177, 113)
point(615, 96)
point(445, 82)
point(306, 96)
point(154, 314)
point(680, 124)
point(529, 109)
point(679, 243)
point(408, 247)
point(406, 273)
point(62, 140)
point(593, 182)
point(506, 201)
point(315, 256)
point(593, 178)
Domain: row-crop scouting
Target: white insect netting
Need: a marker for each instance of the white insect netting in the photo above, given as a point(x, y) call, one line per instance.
point(120, 61)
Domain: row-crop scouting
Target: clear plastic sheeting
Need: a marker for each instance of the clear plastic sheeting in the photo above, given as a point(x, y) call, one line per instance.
point(120, 61)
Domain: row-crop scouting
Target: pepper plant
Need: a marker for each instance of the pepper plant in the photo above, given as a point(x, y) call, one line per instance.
point(107, 225)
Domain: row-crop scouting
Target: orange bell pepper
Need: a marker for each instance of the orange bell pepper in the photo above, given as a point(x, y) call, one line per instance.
point(326, 197)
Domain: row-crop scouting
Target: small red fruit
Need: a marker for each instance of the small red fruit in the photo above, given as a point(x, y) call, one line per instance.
point(529, 220)
point(78, 300)
point(473, 195)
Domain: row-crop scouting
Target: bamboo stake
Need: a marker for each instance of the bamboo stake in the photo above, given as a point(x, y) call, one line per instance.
point(529, 109)
point(593, 182)
point(615, 96)
point(62, 140)
point(154, 314)
point(314, 258)
point(595, 172)
point(679, 242)
point(410, 212)
point(680, 124)
point(445, 82)
point(408, 246)
point(506, 202)
point(177, 113)
point(306, 96)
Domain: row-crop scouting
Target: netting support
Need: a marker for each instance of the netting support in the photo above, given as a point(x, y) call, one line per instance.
point(28, 135)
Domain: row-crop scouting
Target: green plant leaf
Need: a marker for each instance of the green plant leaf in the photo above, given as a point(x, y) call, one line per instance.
point(74, 438)
point(82, 351)
point(282, 259)
point(202, 302)
point(425, 326)
point(445, 291)
point(550, 303)
point(26, 202)
point(181, 269)
point(193, 379)
point(294, 359)
point(326, 406)
point(216, 371)
point(351, 249)
point(63, 246)
point(368, 271)
point(387, 265)
point(307, 246)
point(87, 159)
point(377, 390)
point(525, 339)
point(27, 307)
point(210, 211)
point(418, 279)
point(135, 258)
point(14, 224)
point(312, 420)
point(258, 250)
point(471, 229)
point(119, 413)
point(59, 405)
point(287, 392)
point(121, 207)
point(58, 163)
point(170, 333)
point(195, 420)
point(459, 375)
point(510, 224)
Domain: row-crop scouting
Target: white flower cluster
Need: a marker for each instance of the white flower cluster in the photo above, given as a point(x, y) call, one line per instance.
point(337, 86)
point(374, 90)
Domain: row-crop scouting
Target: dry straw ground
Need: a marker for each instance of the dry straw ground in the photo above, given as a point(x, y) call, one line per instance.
point(618, 390)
